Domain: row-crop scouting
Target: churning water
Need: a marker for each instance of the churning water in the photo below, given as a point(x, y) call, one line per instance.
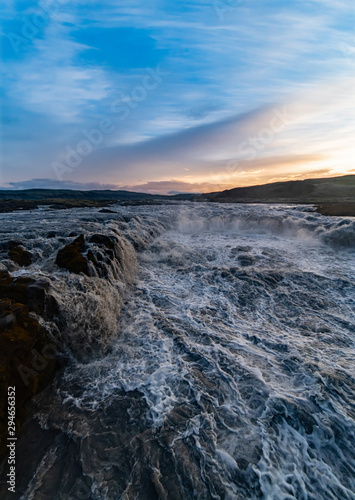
point(217, 361)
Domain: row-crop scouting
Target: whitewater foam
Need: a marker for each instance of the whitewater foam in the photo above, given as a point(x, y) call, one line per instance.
point(227, 367)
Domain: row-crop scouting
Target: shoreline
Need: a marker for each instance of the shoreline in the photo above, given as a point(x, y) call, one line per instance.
point(339, 209)
point(332, 209)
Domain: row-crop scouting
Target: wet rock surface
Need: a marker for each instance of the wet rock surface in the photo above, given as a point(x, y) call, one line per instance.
point(207, 379)
point(27, 354)
point(27, 360)
point(28, 291)
point(20, 256)
point(95, 255)
point(59, 308)
point(71, 257)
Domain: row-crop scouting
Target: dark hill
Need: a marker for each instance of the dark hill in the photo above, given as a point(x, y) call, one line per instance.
point(69, 194)
point(331, 190)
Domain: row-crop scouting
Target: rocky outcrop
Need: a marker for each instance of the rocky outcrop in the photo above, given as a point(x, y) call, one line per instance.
point(28, 291)
point(28, 358)
point(27, 355)
point(20, 256)
point(71, 257)
point(17, 252)
point(12, 205)
point(109, 254)
point(99, 252)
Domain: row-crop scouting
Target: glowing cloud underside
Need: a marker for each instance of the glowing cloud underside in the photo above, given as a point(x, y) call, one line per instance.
point(199, 100)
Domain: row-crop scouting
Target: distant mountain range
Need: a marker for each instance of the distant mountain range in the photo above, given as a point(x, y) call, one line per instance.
point(71, 194)
point(335, 190)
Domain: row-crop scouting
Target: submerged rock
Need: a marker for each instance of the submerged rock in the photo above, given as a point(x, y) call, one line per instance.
point(107, 211)
point(245, 260)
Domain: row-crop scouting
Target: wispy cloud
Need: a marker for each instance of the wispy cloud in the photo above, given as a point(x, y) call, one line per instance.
point(227, 76)
point(55, 184)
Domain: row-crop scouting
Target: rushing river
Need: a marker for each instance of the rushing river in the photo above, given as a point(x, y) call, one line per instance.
point(221, 360)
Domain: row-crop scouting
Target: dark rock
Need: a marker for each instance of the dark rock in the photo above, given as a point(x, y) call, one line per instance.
point(242, 463)
point(101, 261)
point(245, 260)
point(301, 418)
point(241, 249)
point(80, 242)
point(107, 211)
point(101, 239)
point(51, 234)
point(9, 245)
point(110, 252)
point(26, 291)
point(20, 256)
point(13, 243)
point(6, 321)
point(272, 279)
point(92, 258)
point(71, 257)
point(27, 360)
point(27, 355)
point(37, 296)
point(12, 205)
point(78, 257)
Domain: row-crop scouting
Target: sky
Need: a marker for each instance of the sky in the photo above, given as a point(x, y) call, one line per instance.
point(166, 97)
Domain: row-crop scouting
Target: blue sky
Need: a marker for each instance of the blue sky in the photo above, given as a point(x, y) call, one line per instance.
point(162, 97)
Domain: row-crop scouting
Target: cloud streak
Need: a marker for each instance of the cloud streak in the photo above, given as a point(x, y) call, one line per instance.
point(227, 77)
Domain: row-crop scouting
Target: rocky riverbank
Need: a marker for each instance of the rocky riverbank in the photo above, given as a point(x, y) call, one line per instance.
point(337, 209)
point(27, 353)
point(39, 320)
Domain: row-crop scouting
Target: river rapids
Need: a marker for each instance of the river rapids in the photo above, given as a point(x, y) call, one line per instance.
point(215, 362)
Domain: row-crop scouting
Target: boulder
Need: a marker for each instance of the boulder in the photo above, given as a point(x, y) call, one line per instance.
point(20, 256)
point(71, 257)
point(28, 291)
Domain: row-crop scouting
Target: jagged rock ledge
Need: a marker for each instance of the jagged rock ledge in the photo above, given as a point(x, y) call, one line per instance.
point(36, 314)
point(27, 354)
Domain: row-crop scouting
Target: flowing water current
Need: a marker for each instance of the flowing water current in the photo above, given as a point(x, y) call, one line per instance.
point(216, 361)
